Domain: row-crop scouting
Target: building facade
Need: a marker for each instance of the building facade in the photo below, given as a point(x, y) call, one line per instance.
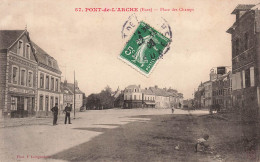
point(245, 38)
point(133, 96)
point(152, 97)
point(69, 87)
point(18, 74)
point(49, 76)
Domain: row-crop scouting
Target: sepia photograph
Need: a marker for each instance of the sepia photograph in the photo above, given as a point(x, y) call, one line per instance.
point(130, 81)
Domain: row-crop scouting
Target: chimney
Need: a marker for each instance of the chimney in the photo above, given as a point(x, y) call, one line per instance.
point(156, 86)
point(145, 88)
point(139, 86)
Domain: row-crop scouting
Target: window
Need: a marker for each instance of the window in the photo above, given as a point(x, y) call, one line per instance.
point(49, 62)
point(13, 103)
point(28, 48)
point(52, 83)
point(41, 103)
point(15, 75)
point(247, 78)
point(57, 100)
point(52, 102)
point(41, 80)
point(134, 97)
point(25, 103)
point(30, 79)
point(57, 85)
point(246, 41)
point(20, 48)
point(47, 82)
point(23, 77)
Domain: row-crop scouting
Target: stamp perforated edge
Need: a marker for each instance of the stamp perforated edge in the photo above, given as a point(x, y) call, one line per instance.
point(136, 67)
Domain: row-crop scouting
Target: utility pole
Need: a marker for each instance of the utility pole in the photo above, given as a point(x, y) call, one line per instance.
point(74, 95)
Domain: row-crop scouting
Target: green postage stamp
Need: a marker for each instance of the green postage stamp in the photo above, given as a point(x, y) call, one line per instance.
point(144, 48)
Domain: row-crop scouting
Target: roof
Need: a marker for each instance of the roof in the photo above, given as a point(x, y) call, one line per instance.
point(42, 57)
point(147, 91)
point(159, 92)
point(132, 86)
point(8, 37)
point(63, 89)
point(70, 86)
point(242, 7)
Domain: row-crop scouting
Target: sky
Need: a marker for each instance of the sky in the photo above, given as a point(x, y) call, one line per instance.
point(90, 42)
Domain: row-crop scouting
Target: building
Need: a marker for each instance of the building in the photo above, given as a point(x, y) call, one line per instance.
point(162, 97)
point(222, 91)
point(18, 74)
point(245, 39)
point(199, 96)
point(148, 97)
point(133, 96)
point(67, 97)
point(208, 94)
point(49, 76)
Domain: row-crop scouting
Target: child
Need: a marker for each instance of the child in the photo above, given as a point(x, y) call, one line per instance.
point(201, 144)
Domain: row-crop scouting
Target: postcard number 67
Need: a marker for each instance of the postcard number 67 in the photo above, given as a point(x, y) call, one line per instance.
point(129, 50)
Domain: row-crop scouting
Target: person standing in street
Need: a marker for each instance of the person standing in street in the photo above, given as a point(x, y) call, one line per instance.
point(55, 113)
point(67, 111)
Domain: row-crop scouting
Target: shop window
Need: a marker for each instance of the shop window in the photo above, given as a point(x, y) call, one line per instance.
point(15, 75)
point(20, 48)
point(13, 103)
point(30, 79)
point(23, 77)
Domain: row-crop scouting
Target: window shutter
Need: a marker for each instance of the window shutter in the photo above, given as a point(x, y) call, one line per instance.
point(243, 79)
point(252, 77)
point(234, 81)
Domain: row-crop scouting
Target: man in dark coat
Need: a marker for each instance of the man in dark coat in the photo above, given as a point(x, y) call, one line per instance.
point(55, 113)
point(67, 111)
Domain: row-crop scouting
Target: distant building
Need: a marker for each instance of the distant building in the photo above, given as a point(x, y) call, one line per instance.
point(222, 91)
point(245, 38)
point(153, 97)
point(49, 76)
point(68, 89)
point(148, 98)
point(66, 96)
point(18, 74)
point(133, 96)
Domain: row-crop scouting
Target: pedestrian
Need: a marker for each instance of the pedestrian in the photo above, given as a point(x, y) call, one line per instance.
point(172, 109)
point(55, 113)
point(67, 111)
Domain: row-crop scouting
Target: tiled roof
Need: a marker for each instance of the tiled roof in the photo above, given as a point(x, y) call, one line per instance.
point(242, 7)
point(70, 86)
point(63, 89)
point(42, 57)
point(159, 92)
point(8, 37)
point(147, 91)
point(132, 86)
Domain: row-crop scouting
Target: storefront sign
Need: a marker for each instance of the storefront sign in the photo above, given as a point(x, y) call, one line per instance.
point(19, 90)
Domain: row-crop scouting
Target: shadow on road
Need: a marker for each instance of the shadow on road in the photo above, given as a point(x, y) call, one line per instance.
point(153, 140)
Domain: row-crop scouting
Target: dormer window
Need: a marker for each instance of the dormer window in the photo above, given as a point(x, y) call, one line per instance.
point(28, 49)
point(20, 48)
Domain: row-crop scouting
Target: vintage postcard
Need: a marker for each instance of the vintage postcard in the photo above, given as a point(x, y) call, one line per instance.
point(130, 81)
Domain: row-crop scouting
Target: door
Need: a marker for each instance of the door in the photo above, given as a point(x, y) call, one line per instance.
point(46, 105)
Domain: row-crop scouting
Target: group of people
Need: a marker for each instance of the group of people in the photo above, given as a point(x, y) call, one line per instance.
point(67, 111)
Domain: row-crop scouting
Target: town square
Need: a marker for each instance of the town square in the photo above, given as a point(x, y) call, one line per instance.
point(130, 81)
